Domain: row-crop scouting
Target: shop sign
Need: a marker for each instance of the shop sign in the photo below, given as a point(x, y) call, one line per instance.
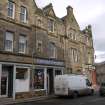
point(49, 62)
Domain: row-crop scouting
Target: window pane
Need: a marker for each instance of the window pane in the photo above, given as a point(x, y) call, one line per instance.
point(10, 9)
point(52, 50)
point(39, 46)
point(22, 44)
point(10, 13)
point(9, 36)
point(23, 14)
point(22, 39)
point(21, 73)
point(22, 17)
point(10, 4)
point(50, 25)
point(9, 41)
point(21, 47)
point(8, 45)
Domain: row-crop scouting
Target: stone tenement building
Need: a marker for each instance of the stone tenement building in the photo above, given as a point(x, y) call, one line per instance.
point(36, 45)
point(100, 72)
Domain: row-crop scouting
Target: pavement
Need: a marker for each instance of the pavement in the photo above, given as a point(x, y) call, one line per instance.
point(84, 100)
point(9, 101)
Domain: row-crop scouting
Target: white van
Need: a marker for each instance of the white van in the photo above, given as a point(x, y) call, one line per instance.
point(72, 85)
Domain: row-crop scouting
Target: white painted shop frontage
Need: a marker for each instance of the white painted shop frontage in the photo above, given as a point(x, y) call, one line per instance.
point(14, 78)
point(18, 79)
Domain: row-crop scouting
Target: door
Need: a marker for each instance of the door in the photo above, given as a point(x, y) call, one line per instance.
point(4, 86)
point(50, 81)
point(48, 84)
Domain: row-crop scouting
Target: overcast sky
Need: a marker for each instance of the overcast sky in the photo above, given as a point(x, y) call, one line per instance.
point(86, 12)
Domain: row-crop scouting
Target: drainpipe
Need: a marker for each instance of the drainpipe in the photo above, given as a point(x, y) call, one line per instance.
point(0, 76)
point(14, 82)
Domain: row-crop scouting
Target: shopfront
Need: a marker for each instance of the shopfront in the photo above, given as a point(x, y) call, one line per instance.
point(21, 81)
point(14, 78)
point(45, 72)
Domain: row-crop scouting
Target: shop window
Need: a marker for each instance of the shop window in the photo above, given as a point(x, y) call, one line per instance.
point(38, 79)
point(21, 73)
point(58, 72)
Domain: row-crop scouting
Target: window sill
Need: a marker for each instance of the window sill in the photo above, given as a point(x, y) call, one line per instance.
point(14, 53)
point(52, 32)
point(22, 52)
point(39, 89)
point(11, 18)
point(8, 51)
point(24, 22)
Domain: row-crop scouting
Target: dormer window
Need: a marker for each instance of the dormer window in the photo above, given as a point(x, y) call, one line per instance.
point(51, 25)
point(11, 9)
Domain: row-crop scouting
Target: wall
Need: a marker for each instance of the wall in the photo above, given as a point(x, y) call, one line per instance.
point(100, 72)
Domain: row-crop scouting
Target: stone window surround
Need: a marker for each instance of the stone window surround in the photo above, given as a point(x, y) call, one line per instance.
point(23, 40)
point(53, 21)
point(74, 54)
point(39, 45)
point(53, 50)
point(11, 9)
point(10, 38)
point(25, 14)
point(72, 34)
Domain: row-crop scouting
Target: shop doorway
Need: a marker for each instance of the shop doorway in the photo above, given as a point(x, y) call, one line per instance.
point(4, 85)
point(6, 89)
point(50, 81)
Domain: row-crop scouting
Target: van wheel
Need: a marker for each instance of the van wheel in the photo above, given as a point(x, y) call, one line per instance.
point(92, 92)
point(75, 94)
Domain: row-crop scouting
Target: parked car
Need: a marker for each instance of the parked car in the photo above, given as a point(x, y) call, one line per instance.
point(102, 89)
point(72, 85)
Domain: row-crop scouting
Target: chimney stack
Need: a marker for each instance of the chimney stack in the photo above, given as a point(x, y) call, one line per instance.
point(69, 10)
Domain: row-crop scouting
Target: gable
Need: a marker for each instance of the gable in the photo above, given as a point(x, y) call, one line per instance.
point(48, 11)
point(51, 13)
point(73, 22)
point(29, 3)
